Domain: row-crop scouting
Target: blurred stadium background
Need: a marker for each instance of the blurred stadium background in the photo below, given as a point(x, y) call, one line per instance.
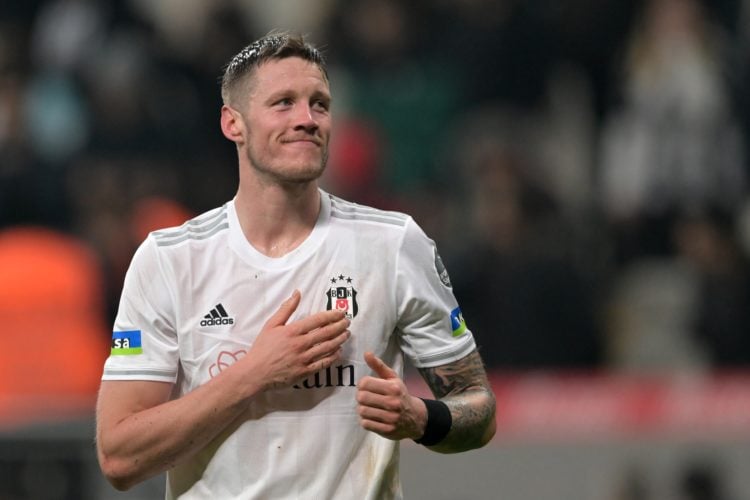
point(582, 165)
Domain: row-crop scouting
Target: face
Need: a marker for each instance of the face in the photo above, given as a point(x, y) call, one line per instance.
point(286, 121)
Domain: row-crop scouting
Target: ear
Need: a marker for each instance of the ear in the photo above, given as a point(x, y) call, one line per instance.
point(232, 125)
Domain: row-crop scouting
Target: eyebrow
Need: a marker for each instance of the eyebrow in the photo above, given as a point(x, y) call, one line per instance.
point(317, 94)
point(323, 96)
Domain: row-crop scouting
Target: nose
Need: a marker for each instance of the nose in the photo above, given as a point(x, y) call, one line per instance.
point(305, 119)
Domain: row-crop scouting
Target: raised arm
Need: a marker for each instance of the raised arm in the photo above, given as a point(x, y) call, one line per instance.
point(141, 432)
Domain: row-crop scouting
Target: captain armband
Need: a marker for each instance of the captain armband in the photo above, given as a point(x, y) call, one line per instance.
point(439, 422)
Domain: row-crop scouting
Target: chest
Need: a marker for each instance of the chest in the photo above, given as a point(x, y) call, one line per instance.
point(223, 306)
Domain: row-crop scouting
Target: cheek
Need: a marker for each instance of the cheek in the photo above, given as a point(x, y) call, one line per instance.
point(260, 139)
point(325, 124)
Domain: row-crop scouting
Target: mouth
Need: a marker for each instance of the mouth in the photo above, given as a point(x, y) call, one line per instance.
point(306, 141)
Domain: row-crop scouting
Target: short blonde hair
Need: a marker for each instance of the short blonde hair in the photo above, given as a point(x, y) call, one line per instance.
point(275, 45)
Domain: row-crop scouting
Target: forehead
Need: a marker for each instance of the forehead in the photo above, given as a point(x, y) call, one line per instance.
point(291, 72)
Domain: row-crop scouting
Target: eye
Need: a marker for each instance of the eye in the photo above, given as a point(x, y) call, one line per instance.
point(321, 105)
point(284, 101)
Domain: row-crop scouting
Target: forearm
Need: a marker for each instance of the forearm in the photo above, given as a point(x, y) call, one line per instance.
point(150, 441)
point(464, 388)
point(141, 433)
point(473, 425)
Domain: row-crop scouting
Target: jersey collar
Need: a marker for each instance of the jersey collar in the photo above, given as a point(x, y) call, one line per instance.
point(250, 255)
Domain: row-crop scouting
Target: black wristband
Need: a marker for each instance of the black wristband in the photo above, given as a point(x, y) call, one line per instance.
point(439, 421)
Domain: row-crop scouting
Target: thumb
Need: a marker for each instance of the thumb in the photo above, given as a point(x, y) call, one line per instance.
point(285, 311)
point(379, 367)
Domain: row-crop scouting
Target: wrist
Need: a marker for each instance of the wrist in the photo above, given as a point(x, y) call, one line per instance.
point(439, 422)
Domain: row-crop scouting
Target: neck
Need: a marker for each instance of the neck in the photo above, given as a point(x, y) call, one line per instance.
point(275, 218)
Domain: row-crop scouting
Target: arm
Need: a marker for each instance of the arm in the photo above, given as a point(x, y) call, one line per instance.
point(428, 314)
point(464, 387)
point(386, 407)
point(140, 432)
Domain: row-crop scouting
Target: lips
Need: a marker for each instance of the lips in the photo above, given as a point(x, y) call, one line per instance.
point(302, 140)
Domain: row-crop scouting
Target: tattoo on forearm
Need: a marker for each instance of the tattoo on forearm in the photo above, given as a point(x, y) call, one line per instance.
point(464, 374)
point(464, 387)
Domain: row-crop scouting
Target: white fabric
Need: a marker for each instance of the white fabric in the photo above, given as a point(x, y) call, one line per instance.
point(305, 441)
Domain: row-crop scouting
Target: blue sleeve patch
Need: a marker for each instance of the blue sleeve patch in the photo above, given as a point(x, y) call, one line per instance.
point(457, 322)
point(126, 343)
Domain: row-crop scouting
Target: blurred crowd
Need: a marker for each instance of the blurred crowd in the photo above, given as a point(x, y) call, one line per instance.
point(582, 166)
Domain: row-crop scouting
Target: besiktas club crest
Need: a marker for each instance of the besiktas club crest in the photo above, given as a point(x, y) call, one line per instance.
point(342, 296)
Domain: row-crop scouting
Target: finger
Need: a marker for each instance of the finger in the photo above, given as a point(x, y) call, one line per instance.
point(377, 415)
point(377, 427)
point(285, 311)
point(326, 333)
point(377, 396)
point(317, 320)
point(379, 367)
point(323, 349)
point(375, 387)
point(324, 362)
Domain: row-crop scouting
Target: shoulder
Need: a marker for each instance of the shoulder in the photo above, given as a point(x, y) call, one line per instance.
point(395, 229)
point(355, 213)
point(201, 228)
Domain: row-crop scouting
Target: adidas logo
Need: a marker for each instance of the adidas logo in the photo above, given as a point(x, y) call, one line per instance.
point(218, 316)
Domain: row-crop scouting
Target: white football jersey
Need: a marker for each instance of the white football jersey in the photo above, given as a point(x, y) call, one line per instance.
point(196, 296)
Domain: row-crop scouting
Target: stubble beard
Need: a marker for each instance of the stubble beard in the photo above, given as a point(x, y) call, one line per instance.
point(289, 175)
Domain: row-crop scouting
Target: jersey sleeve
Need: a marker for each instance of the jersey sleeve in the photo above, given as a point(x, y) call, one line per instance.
point(144, 339)
point(431, 327)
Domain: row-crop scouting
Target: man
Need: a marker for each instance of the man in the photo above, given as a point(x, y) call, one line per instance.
point(233, 400)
